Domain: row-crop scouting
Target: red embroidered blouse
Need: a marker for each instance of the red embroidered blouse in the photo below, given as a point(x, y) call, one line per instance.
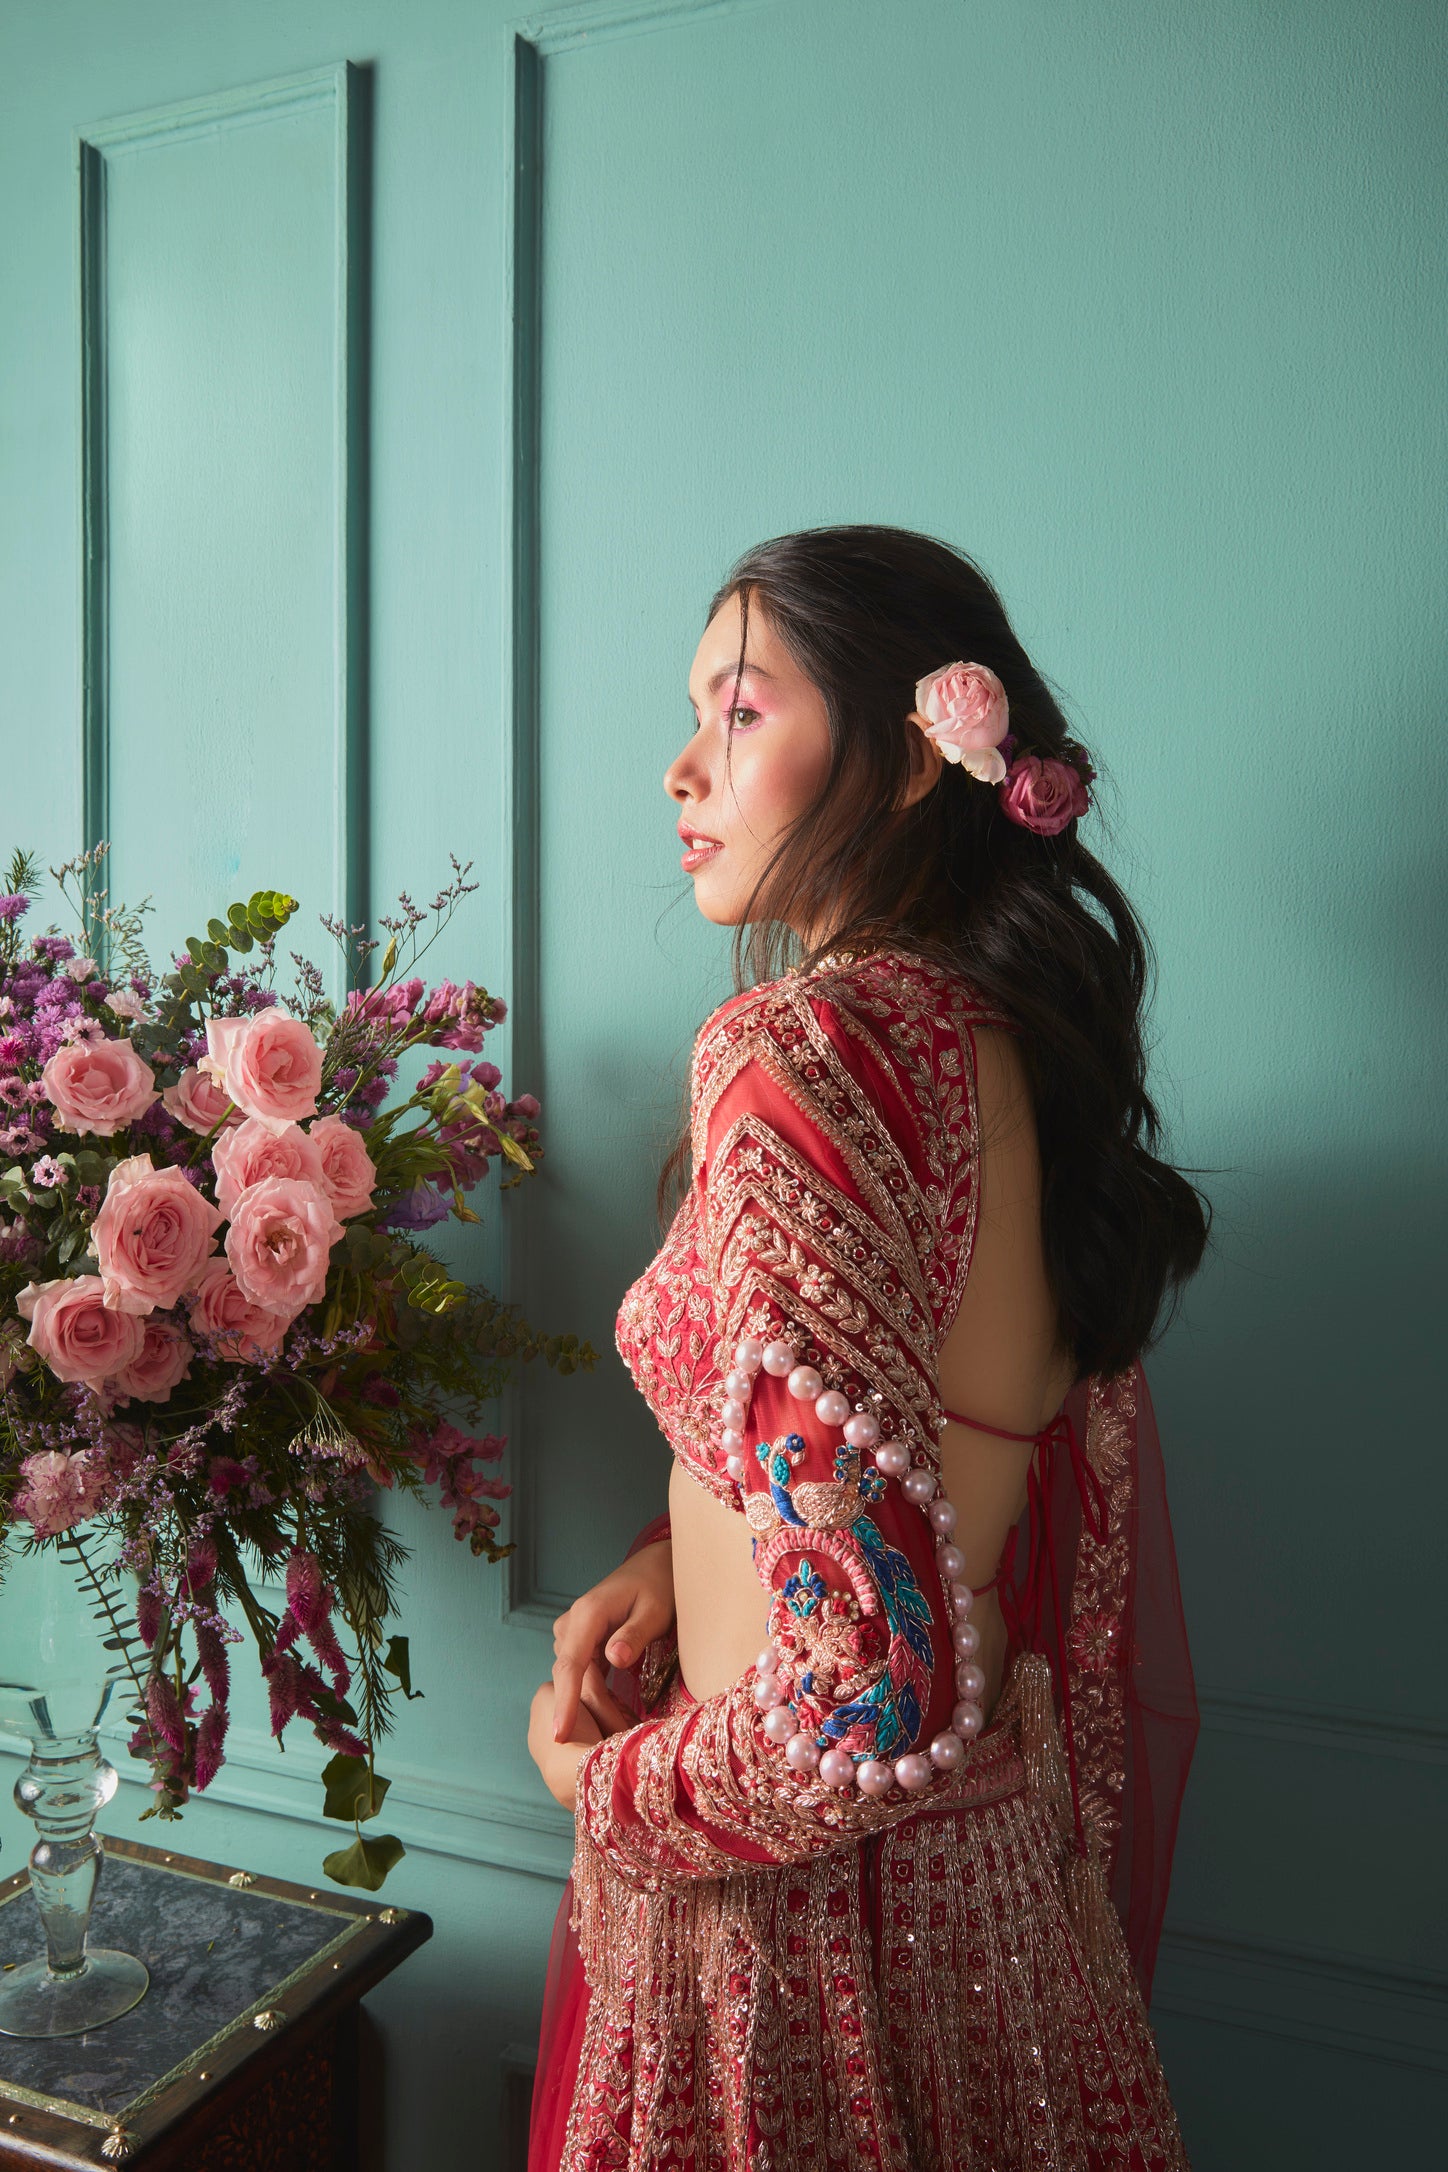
point(832, 1204)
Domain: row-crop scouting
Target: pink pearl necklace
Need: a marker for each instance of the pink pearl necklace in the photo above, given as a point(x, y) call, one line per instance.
point(836, 1767)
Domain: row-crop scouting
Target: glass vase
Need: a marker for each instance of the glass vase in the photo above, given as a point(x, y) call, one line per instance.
point(61, 1656)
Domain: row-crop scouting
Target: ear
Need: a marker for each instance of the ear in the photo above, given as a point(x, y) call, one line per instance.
point(926, 763)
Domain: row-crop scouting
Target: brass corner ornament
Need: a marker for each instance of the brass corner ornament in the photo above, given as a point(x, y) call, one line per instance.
point(241, 1879)
point(391, 1915)
point(118, 2146)
point(270, 2017)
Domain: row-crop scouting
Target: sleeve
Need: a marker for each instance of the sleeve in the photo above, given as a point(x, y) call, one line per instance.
point(816, 1212)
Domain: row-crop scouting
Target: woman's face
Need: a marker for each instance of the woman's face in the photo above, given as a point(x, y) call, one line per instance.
point(775, 732)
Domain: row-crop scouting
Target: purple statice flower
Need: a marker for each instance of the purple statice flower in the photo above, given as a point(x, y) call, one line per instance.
point(16, 1244)
point(418, 1209)
point(13, 905)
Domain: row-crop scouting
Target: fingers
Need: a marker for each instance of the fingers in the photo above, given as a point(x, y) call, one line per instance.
point(604, 1706)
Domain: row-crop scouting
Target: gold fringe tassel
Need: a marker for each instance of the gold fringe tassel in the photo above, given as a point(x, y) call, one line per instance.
point(1093, 1919)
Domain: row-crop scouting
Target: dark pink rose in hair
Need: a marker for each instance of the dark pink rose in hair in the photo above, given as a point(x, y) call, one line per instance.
point(1043, 794)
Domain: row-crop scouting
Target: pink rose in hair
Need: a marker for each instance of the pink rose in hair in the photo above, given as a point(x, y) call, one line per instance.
point(79, 1336)
point(99, 1086)
point(963, 708)
point(348, 1172)
point(58, 1490)
point(253, 1150)
point(269, 1064)
point(197, 1100)
point(280, 1242)
point(221, 1310)
point(1043, 794)
point(153, 1235)
point(165, 1357)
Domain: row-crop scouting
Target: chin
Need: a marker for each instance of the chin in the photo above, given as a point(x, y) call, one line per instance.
point(721, 907)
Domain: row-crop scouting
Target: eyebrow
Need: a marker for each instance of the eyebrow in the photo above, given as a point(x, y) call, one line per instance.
point(750, 671)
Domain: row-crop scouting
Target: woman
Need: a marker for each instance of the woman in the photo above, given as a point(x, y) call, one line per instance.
point(870, 1864)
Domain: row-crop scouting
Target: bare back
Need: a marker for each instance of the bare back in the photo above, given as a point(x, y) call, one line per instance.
point(1002, 1360)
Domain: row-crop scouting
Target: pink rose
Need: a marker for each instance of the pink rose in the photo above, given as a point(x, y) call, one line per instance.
point(279, 1244)
point(77, 1333)
point(197, 1100)
point(1043, 794)
point(58, 1490)
point(152, 1236)
point(98, 1085)
point(165, 1357)
point(253, 1150)
point(349, 1174)
point(963, 708)
point(270, 1065)
point(222, 1312)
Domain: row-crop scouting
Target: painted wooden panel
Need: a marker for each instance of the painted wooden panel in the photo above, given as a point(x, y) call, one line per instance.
point(221, 292)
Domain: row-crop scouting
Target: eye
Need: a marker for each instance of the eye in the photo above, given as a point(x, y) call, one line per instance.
point(750, 715)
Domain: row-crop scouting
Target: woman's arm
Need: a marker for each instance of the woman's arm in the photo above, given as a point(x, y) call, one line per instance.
point(817, 1209)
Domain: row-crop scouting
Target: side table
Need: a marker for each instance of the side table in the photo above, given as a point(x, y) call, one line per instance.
point(242, 2057)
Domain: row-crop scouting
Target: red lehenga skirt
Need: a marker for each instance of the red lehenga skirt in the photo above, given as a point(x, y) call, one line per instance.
point(963, 1991)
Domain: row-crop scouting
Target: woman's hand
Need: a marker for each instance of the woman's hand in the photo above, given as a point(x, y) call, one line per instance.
point(559, 1761)
point(613, 1620)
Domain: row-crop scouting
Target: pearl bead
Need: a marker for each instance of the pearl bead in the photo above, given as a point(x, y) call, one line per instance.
point(733, 1411)
point(942, 1516)
point(740, 1385)
point(779, 1723)
point(837, 1768)
point(767, 1692)
point(967, 1720)
point(892, 1459)
point(805, 1384)
point(966, 1639)
point(778, 1358)
point(731, 1440)
point(918, 1486)
point(946, 1751)
point(767, 1661)
point(951, 1560)
point(862, 1431)
point(750, 1355)
point(734, 1465)
point(803, 1752)
point(875, 1777)
point(913, 1771)
point(963, 1597)
point(969, 1681)
point(832, 1408)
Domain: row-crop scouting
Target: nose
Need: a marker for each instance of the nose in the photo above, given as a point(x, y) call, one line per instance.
point(684, 778)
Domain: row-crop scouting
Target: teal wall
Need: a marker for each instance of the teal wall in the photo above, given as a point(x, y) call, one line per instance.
point(1146, 309)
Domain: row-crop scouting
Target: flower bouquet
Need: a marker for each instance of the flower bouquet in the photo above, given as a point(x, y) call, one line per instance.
point(219, 1329)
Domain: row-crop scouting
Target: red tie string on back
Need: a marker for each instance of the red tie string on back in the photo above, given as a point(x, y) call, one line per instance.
point(1022, 1605)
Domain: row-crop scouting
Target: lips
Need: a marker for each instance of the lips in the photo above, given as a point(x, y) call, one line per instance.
point(698, 847)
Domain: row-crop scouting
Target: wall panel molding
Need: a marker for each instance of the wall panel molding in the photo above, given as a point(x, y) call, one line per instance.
point(1343, 2001)
point(342, 93)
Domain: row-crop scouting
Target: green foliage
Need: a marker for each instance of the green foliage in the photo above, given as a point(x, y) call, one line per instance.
point(398, 1664)
point(353, 1789)
point(366, 1862)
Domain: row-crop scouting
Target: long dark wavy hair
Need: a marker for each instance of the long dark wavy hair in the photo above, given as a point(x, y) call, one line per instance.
point(1036, 924)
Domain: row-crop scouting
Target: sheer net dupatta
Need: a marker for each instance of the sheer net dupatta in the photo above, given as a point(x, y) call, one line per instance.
point(1095, 1587)
point(565, 1995)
